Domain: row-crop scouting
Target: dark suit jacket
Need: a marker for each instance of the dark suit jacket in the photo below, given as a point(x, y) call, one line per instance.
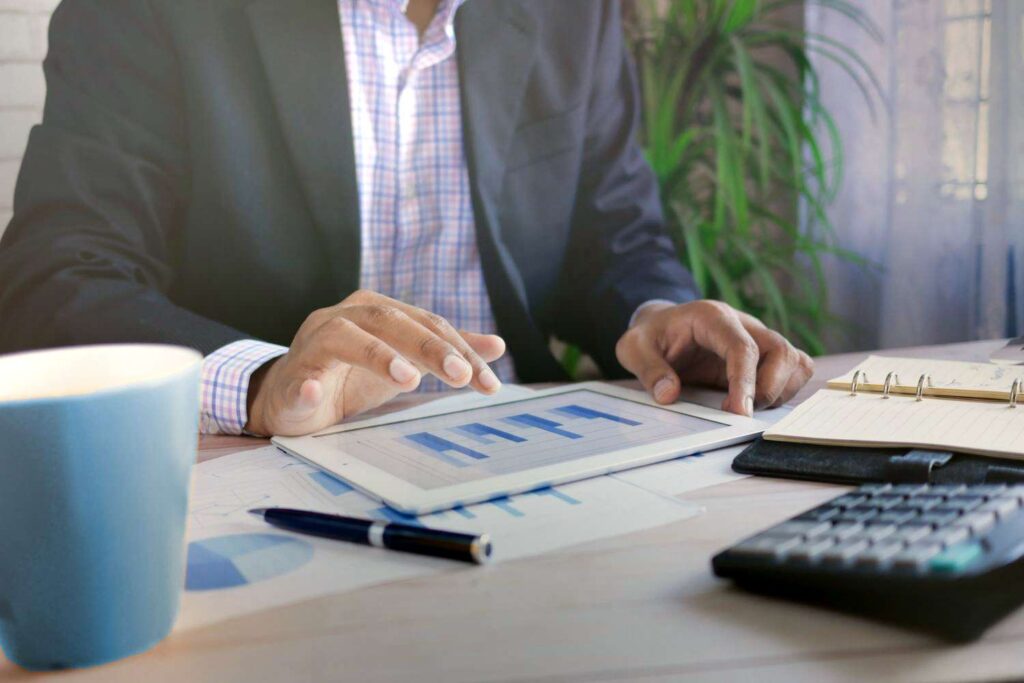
point(193, 179)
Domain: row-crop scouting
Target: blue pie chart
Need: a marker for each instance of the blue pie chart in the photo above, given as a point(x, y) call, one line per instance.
point(240, 559)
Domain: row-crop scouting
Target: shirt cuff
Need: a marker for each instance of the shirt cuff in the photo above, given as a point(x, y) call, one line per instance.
point(225, 384)
point(632, 320)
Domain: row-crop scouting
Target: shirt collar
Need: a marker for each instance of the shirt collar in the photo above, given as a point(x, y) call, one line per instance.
point(446, 8)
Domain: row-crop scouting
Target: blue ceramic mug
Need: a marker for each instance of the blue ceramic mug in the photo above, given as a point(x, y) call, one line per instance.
point(96, 447)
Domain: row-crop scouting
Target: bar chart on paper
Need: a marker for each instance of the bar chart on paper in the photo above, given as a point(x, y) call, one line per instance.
point(236, 560)
point(466, 446)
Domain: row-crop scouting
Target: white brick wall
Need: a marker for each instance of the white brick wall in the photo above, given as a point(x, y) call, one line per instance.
point(23, 25)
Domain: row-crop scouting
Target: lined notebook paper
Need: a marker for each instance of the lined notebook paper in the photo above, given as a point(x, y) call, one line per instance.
point(951, 415)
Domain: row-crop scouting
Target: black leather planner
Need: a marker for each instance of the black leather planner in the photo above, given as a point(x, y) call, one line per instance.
point(844, 465)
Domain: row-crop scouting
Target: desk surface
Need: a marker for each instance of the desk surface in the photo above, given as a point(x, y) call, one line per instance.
point(638, 607)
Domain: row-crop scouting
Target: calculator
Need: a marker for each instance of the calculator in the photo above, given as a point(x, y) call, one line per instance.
point(948, 559)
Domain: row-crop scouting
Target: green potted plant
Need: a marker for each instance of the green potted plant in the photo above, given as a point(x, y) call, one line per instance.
point(737, 134)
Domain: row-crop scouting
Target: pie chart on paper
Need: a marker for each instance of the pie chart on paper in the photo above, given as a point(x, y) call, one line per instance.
point(241, 559)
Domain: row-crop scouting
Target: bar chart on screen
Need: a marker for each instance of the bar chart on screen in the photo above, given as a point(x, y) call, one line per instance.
point(462, 447)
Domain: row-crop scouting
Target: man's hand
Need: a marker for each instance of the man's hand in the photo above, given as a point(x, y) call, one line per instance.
point(356, 355)
point(711, 343)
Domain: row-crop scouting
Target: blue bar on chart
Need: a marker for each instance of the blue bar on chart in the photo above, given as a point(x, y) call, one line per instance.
point(504, 505)
point(333, 486)
point(390, 515)
point(435, 445)
point(591, 414)
point(480, 433)
point(528, 420)
point(555, 493)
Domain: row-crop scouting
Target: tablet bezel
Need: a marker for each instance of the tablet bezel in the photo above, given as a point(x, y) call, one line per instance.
point(410, 499)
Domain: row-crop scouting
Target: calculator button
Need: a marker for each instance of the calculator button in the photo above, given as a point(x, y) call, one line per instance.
point(894, 517)
point(1002, 507)
point(987, 490)
point(808, 551)
point(911, 534)
point(957, 558)
point(923, 502)
point(905, 510)
point(800, 528)
point(961, 503)
point(849, 500)
point(978, 523)
point(876, 532)
point(820, 514)
point(879, 554)
point(908, 489)
point(934, 518)
point(765, 547)
point(949, 536)
point(915, 556)
point(887, 501)
point(843, 530)
point(857, 514)
point(845, 551)
point(946, 489)
point(1016, 491)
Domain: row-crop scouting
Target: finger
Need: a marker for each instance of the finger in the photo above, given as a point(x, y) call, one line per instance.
point(415, 341)
point(482, 378)
point(779, 361)
point(638, 352)
point(491, 347)
point(725, 336)
point(342, 340)
point(797, 380)
point(479, 375)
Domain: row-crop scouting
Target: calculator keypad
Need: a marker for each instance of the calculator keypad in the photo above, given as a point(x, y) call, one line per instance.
point(905, 527)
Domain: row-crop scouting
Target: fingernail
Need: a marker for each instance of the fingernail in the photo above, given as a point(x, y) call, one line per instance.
point(456, 368)
point(402, 371)
point(748, 406)
point(489, 381)
point(663, 389)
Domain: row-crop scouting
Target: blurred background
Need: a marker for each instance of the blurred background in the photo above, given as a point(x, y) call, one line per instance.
point(851, 172)
point(23, 25)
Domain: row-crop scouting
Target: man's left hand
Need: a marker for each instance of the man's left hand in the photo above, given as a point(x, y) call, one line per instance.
point(710, 343)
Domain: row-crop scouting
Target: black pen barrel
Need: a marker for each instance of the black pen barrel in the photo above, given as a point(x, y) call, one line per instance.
point(320, 524)
point(446, 544)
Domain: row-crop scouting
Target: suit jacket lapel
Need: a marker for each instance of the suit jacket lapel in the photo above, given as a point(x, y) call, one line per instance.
point(300, 44)
point(496, 49)
point(497, 42)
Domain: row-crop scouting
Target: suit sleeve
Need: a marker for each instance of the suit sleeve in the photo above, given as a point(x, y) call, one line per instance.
point(88, 255)
point(620, 255)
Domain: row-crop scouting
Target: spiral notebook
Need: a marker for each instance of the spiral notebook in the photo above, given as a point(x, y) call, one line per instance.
point(896, 402)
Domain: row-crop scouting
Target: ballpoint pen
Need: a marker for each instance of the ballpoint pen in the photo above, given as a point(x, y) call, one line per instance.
point(393, 535)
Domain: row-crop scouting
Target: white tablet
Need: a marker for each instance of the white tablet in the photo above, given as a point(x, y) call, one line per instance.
point(502, 446)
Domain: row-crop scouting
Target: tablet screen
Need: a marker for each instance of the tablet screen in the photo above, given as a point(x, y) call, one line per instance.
point(479, 443)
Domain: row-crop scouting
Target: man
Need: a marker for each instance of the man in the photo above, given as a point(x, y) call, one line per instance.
point(383, 186)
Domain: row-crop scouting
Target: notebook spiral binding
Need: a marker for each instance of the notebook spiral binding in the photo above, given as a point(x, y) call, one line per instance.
point(892, 379)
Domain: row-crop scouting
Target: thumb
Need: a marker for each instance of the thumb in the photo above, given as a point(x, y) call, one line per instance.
point(302, 397)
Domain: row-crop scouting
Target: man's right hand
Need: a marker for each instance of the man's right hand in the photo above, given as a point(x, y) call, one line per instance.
point(356, 355)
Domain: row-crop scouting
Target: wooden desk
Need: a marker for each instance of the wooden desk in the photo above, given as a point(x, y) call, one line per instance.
point(638, 607)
